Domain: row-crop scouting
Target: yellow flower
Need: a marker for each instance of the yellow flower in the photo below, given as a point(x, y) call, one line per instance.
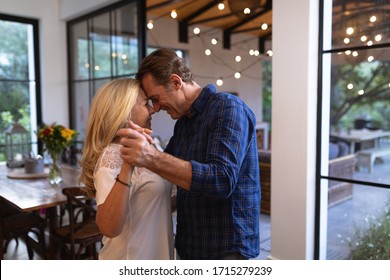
point(56, 137)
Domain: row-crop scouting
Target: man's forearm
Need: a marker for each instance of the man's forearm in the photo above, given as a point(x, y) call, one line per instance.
point(177, 171)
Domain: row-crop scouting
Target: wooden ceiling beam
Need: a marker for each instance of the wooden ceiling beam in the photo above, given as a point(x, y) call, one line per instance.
point(183, 23)
point(228, 32)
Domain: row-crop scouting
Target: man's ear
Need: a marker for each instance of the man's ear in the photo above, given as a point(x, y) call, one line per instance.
point(176, 81)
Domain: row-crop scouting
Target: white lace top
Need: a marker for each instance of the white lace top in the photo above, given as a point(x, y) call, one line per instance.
point(147, 234)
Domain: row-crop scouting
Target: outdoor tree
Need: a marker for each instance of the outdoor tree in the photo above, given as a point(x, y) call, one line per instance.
point(360, 90)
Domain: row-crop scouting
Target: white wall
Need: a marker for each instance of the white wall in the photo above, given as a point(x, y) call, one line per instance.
point(53, 54)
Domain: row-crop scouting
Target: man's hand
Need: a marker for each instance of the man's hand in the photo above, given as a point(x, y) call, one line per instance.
point(138, 148)
point(145, 131)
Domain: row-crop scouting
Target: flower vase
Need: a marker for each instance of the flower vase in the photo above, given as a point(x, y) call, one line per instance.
point(55, 175)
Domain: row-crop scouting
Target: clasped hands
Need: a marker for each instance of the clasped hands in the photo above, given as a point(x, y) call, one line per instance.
point(137, 143)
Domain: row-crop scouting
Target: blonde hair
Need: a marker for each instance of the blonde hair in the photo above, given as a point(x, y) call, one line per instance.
point(109, 111)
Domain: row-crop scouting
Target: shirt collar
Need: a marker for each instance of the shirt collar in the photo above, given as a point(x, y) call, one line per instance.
point(201, 100)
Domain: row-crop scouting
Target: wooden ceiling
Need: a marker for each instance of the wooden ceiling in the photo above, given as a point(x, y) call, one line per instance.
point(192, 13)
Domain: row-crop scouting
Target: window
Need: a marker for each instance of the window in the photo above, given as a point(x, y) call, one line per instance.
point(103, 45)
point(19, 77)
point(355, 129)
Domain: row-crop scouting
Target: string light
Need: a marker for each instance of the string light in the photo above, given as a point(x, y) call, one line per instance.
point(363, 38)
point(221, 6)
point(350, 86)
point(350, 30)
point(214, 41)
point(369, 43)
point(150, 24)
point(173, 14)
point(373, 19)
point(346, 41)
point(361, 92)
point(247, 11)
point(370, 58)
point(378, 37)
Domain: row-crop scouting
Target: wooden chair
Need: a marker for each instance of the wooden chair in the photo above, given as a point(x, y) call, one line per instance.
point(79, 238)
point(17, 224)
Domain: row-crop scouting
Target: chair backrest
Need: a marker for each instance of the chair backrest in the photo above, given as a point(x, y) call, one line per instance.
point(79, 208)
point(81, 218)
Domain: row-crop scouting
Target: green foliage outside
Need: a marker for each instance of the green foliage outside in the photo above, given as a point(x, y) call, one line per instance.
point(373, 243)
point(373, 102)
point(14, 75)
point(267, 91)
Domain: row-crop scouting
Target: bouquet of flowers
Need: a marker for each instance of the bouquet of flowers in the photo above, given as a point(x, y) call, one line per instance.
point(56, 137)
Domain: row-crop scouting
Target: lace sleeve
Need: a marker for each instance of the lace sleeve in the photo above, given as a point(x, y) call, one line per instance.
point(110, 158)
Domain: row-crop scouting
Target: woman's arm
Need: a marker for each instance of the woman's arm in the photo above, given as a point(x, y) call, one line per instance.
point(110, 216)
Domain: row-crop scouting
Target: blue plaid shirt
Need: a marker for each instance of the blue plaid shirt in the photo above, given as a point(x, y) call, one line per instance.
point(220, 214)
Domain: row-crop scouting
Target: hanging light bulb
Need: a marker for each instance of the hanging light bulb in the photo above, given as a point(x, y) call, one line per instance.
point(361, 92)
point(346, 41)
point(270, 53)
point(173, 14)
point(247, 11)
point(221, 6)
point(350, 30)
point(237, 58)
point(373, 19)
point(196, 30)
point(214, 41)
point(237, 75)
point(264, 26)
point(150, 24)
point(207, 52)
point(350, 86)
point(370, 58)
point(251, 52)
point(219, 82)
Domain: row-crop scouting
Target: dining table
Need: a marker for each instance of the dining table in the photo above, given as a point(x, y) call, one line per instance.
point(31, 192)
point(355, 136)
